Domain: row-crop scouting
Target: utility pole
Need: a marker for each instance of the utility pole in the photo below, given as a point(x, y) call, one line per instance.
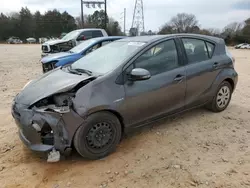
point(94, 3)
point(138, 18)
point(105, 3)
point(124, 21)
point(82, 19)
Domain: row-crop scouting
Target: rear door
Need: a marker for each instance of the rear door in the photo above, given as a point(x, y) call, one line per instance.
point(163, 93)
point(202, 69)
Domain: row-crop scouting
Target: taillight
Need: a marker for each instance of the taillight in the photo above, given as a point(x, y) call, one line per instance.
point(230, 55)
point(233, 59)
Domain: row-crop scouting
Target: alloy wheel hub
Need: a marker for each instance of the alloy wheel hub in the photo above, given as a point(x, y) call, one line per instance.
point(223, 96)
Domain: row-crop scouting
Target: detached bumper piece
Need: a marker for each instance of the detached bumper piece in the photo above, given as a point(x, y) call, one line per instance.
point(46, 130)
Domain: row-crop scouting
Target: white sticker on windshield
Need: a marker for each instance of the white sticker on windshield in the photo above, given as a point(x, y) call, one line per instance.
point(136, 43)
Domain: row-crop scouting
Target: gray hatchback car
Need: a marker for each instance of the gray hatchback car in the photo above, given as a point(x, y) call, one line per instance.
point(126, 84)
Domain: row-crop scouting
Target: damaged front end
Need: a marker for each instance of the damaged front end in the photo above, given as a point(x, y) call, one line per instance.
point(57, 47)
point(49, 124)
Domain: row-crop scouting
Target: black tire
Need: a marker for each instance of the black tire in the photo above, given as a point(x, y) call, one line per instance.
point(213, 105)
point(86, 137)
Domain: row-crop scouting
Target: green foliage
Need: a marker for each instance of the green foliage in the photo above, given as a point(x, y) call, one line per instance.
point(25, 24)
point(97, 20)
point(52, 23)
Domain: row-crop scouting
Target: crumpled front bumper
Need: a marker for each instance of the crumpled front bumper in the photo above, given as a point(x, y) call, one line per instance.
point(63, 126)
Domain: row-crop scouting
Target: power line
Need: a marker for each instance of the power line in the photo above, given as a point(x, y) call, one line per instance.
point(94, 3)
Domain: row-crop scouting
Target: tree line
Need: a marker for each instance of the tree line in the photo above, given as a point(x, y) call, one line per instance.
point(52, 23)
point(187, 23)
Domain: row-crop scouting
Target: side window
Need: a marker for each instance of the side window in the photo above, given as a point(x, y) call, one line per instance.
point(105, 42)
point(160, 58)
point(97, 34)
point(210, 48)
point(196, 50)
point(87, 34)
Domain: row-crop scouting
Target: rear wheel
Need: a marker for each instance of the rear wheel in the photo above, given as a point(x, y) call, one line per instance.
point(99, 136)
point(222, 97)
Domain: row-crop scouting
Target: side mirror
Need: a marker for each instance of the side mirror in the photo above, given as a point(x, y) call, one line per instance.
point(81, 37)
point(138, 74)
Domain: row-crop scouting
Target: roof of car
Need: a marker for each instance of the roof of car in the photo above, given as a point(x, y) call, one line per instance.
point(108, 37)
point(153, 38)
point(88, 29)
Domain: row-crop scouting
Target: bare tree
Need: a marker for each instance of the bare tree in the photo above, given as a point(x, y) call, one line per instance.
point(233, 29)
point(181, 23)
point(184, 23)
point(214, 31)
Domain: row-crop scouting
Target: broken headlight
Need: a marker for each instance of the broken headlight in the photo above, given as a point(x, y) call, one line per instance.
point(60, 103)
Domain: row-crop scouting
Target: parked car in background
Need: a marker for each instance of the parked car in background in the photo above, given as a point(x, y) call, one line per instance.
point(14, 40)
point(245, 46)
point(121, 86)
point(31, 40)
point(63, 58)
point(239, 45)
point(71, 40)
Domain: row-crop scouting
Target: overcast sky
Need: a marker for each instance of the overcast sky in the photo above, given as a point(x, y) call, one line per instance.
point(210, 13)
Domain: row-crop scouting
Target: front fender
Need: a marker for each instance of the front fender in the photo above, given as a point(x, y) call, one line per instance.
point(98, 97)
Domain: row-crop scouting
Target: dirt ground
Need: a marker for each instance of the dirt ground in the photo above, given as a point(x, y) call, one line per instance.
point(194, 149)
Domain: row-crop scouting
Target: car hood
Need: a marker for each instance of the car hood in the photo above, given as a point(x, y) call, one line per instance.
point(53, 42)
point(56, 56)
point(55, 81)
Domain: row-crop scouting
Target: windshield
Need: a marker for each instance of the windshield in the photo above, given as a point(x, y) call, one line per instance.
point(108, 57)
point(71, 35)
point(82, 46)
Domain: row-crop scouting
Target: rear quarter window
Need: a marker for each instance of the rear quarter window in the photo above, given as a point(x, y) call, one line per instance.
point(196, 50)
point(210, 48)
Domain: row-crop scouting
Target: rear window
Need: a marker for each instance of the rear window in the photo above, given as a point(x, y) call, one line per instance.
point(97, 34)
point(87, 34)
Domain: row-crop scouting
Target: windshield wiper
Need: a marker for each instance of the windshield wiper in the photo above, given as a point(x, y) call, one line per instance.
point(79, 71)
point(72, 70)
point(70, 51)
point(83, 71)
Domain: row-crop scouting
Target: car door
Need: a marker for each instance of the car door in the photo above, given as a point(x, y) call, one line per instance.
point(202, 69)
point(163, 93)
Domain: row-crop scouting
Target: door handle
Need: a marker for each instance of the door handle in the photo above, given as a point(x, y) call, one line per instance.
point(215, 65)
point(179, 77)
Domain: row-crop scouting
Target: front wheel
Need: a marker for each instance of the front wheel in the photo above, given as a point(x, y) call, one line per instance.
point(99, 136)
point(222, 97)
